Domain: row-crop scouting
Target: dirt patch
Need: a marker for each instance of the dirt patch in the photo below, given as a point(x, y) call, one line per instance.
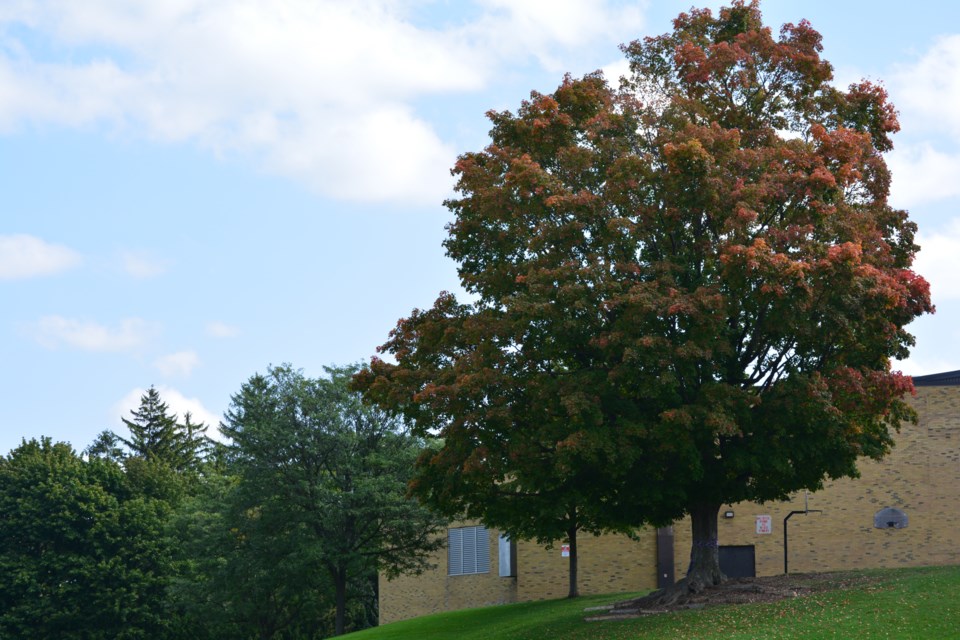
point(735, 591)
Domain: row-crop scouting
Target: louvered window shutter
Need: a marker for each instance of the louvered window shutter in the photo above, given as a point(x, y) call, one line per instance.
point(454, 552)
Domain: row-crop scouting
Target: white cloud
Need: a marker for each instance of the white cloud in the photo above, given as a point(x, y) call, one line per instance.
point(24, 256)
point(928, 91)
point(177, 403)
point(181, 363)
point(381, 153)
point(920, 366)
point(922, 174)
point(218, 329)
point(616, 70)
point(54, 331)
point(937, 261)
point(537, 27)
point(142, 265)
point(319, 90)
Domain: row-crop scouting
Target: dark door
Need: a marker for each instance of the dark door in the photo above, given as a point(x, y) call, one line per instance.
point(664, 557)
point(738, 561)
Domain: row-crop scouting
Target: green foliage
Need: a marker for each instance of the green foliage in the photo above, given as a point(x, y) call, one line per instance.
point(688, 290)
point(280, 534)
point(903, 603)
point(81, 553)
point(156, 436)
point(316, 506)
point(107, 446)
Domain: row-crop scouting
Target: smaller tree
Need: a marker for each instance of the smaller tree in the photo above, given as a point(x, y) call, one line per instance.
point(156, 436)
point(322, 484)
point(106, 446)
point(533, 491)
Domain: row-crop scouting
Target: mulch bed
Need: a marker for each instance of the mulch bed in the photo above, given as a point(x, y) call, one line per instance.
point(735, 591)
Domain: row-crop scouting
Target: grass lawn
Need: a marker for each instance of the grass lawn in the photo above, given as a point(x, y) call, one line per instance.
point(899, 603)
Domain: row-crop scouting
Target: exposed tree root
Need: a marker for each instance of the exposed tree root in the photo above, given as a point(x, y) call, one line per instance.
point(734, 591)
point(675, 596)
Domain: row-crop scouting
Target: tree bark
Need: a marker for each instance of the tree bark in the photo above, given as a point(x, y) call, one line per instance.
point(704, 569)
point(572, 538)
point(340, 585)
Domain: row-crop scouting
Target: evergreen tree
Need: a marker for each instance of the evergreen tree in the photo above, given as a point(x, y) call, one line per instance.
point(156, 436)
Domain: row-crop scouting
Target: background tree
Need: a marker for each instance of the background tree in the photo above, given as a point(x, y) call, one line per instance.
point(693, 285)
point(321, 491)
point(156, 436)
point(107, 446)
point(78, 549)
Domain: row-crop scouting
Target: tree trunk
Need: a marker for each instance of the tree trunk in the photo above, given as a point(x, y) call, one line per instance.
point(340, 585)
point(374, 615)
point(704, 570)
point(572, 537)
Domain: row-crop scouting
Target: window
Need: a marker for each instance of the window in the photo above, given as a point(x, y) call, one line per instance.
point(468, 551)
point(507, 552)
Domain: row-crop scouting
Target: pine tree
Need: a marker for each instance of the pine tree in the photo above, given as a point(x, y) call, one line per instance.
point(156, 436)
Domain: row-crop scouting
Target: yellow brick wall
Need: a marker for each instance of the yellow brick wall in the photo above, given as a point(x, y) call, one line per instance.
point(921, 476)
point(607, 564)
point(433, 591)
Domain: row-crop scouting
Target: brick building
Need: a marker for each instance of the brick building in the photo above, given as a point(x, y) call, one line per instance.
point(902, 511)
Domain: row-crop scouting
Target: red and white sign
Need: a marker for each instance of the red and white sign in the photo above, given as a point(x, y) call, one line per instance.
point(764, 524)
point(564, 551)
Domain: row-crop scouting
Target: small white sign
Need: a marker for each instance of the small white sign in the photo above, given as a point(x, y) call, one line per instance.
point(564, 551)
point(764, 524)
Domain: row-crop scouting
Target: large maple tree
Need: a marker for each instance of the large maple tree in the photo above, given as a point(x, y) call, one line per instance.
point(683, 292)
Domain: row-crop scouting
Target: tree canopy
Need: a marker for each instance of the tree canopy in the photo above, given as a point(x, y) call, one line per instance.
point(690, 286)
point(156, 436)
point(281, 532)
point(321, 497)
point(81, 552)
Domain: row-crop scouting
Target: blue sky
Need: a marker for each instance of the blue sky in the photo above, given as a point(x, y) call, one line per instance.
point(195, 189)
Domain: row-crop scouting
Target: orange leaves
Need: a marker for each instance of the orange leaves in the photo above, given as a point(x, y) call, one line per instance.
point(688, 157)
point(845, 151)
point(744, 216)
point(847, 252)
point(691, 61)
point(759, 259)
point(821, 179)
point(865, 108)
point(686, 266)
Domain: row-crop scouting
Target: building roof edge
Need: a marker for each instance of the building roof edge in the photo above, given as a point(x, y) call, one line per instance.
point(945, 379)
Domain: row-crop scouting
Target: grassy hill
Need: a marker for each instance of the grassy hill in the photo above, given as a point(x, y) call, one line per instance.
point(900, 603)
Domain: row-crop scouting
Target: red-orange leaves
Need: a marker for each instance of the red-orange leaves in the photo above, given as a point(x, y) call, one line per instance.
point(691, 62)
point(848, 253)
point(844, 151)
point(802, 45)
point(683, 295)
point(821, 179)
point(865, 108)
point(687, 160)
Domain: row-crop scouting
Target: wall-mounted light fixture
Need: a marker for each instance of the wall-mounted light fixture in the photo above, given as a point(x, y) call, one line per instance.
point(728, 514)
